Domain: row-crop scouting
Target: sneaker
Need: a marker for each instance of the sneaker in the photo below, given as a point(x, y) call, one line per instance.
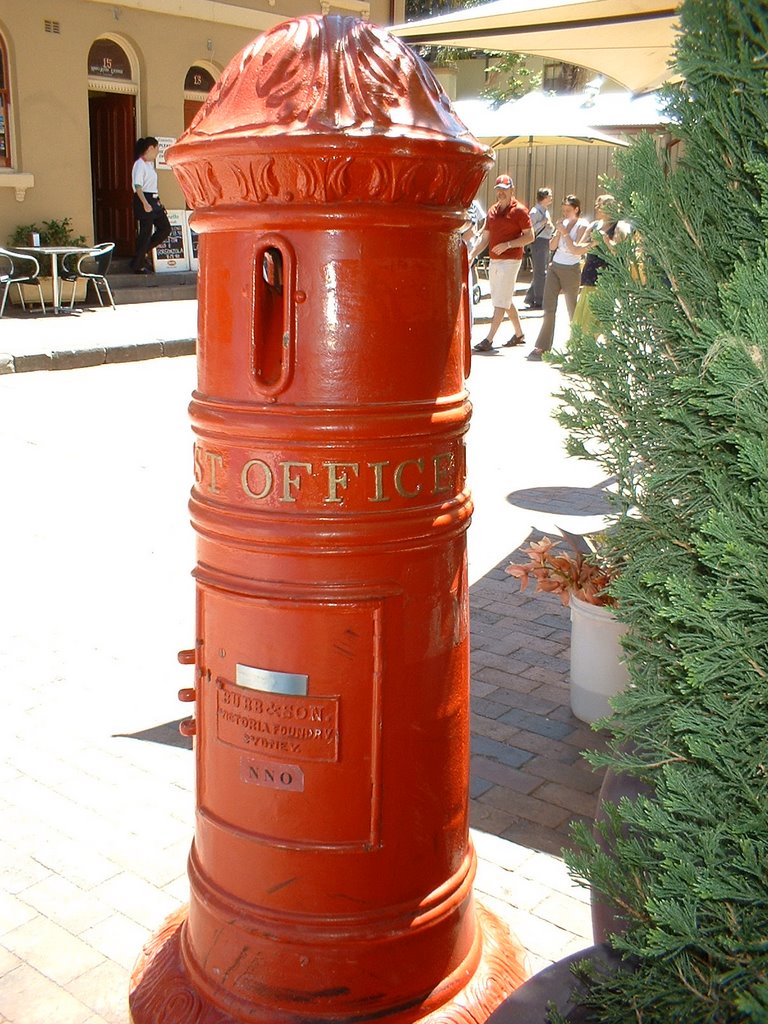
point(534, 356)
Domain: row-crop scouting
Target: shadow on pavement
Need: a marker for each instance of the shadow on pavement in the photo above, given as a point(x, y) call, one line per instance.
point(581, 501)
point(167, 733)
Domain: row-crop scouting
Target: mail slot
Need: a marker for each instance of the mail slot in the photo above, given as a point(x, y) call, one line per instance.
point(331, 870)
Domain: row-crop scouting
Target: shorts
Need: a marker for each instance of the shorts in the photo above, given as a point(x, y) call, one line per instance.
point(503, 278)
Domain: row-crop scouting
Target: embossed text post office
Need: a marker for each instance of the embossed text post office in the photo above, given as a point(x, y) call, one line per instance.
point(331, 871)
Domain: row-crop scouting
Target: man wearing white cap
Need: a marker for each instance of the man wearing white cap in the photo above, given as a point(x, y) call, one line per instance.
point(507, 231)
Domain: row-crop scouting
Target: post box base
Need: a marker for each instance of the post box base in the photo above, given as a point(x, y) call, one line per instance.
point(161, 991)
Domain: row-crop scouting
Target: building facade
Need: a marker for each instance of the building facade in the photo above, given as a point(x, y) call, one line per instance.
point(81, 80)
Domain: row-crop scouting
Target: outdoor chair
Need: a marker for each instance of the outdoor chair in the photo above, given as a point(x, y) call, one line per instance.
point(19, 268)
point(90, 266)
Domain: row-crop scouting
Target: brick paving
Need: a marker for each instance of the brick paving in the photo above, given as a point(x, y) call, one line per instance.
point(528, 780)
point(96, 797)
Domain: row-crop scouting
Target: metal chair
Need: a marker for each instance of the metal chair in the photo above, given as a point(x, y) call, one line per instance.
point(18, 268)
point(90, 266)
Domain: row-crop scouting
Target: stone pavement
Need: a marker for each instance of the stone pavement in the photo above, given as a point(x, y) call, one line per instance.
point(97, 785)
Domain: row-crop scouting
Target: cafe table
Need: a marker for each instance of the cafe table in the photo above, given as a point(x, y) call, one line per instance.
point(55, 252)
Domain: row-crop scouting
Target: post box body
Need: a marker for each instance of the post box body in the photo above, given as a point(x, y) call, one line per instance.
point(331, 871)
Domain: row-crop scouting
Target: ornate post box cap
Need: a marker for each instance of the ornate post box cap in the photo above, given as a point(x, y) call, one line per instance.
point(328, 110)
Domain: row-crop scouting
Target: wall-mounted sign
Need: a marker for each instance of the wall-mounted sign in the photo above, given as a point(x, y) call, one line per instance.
point(173, 254)
point(164, 142)
point(193, 240)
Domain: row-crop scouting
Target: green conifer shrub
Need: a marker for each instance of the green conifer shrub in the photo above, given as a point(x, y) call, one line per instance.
point(673, 401)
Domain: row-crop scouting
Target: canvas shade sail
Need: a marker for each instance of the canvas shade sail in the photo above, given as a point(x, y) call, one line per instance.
point(630, 41)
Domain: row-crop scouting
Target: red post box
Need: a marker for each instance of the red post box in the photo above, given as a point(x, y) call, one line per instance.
point(331, 871)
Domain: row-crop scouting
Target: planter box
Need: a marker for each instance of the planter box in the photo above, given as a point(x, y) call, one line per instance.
point(31, 295)
point(448, 76)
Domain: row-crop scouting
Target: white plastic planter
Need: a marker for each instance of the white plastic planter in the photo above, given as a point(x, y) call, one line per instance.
point(597, 669)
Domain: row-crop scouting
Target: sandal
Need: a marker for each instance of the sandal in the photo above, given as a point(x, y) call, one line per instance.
point(483, 346)
point(516, 339)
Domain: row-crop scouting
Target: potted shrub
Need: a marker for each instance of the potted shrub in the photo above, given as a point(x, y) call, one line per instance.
point(559, 994)
point(582, 580)
point(672, 398)
point(52, 232)
point(444, 65)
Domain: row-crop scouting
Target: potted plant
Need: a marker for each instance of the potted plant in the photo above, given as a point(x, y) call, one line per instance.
point(444, 65)
point(52, 232)
point(582, 578)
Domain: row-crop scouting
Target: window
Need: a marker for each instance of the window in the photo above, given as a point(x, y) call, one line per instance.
point(197, 84)
point(108, 60)
point(5, 135)
point(198, 80)
point(561, 77)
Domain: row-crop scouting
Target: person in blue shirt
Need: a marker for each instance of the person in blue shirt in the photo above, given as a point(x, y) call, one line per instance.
point(543, 230)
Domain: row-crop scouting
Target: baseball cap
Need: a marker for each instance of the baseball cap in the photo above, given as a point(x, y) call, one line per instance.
point(504, 181)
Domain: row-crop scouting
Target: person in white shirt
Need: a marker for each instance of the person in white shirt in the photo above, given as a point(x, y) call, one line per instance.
point(564, 272)
point(153, 224)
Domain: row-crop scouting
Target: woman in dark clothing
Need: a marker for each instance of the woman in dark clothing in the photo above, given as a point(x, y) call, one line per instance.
point(609, 231)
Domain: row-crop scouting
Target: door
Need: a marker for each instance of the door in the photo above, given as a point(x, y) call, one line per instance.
point(112, 119)
point(191, 107)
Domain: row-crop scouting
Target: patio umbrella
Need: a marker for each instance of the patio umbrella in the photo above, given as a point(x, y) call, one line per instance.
point(630, 41)
point(533, 120)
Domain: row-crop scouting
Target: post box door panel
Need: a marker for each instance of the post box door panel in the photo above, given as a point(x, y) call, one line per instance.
point(287, 728)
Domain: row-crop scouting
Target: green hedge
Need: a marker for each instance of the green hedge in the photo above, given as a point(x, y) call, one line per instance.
point(673, 400)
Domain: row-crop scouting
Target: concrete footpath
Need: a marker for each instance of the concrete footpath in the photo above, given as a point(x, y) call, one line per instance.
point(97, 796)
point(92, 336)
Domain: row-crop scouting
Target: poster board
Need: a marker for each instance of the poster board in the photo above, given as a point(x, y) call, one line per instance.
point(173, 254)
point(192, 243)
point(164, 142)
